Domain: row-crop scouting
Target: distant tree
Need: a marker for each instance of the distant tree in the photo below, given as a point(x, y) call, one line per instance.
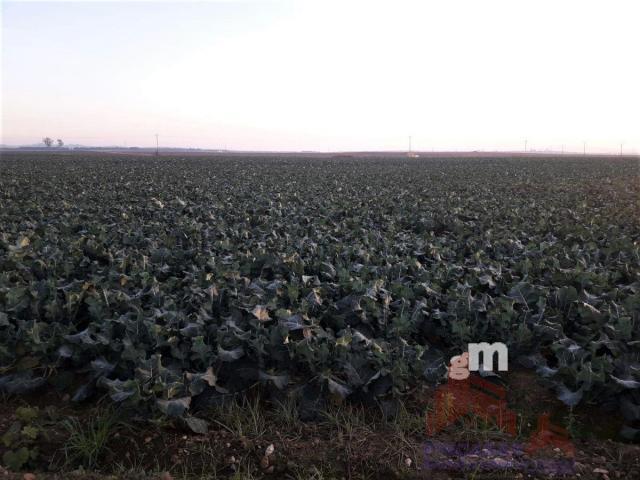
point(60, 142)
point(47, 141)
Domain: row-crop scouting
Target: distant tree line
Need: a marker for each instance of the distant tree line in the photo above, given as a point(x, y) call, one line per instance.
point(48, 142)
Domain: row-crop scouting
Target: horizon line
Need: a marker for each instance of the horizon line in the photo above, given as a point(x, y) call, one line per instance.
point(409, 153)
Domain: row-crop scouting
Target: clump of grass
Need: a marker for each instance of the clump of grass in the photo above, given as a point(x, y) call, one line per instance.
point(474, 427)
point(404, 426)
point(571, 423)
point(88, 441)
point(243, 418)
point(521, 426)
point(245, 469)
point(313, 473)
point(406, 422)
point(346, 418)
point(286, 413)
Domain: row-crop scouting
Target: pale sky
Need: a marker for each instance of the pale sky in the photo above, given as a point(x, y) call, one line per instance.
point(303, 75)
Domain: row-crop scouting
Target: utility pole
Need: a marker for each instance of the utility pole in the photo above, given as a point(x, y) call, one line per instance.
point(157, 151)
point(621, 148)
point(525, 145)
point(584, 148)
point(562, 149)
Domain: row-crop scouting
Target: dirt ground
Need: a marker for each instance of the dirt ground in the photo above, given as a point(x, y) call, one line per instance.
point(263, 439)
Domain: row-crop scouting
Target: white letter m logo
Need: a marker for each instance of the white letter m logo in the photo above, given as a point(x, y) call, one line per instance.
point(488, 350)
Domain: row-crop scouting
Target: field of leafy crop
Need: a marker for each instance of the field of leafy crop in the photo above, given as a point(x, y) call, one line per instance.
point(169, 283)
